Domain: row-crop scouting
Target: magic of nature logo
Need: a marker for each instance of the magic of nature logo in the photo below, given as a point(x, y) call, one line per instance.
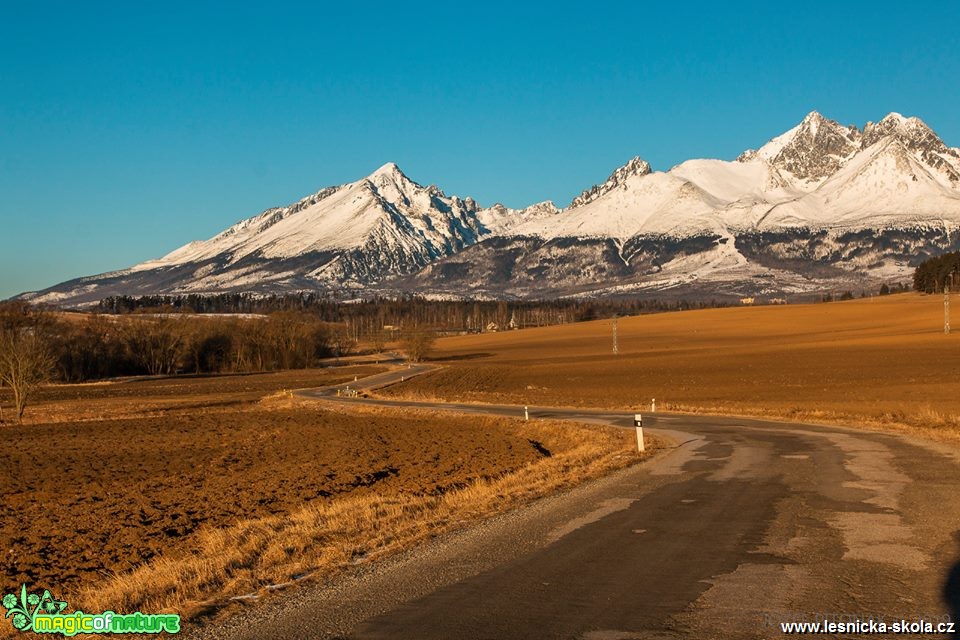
point(42, 613)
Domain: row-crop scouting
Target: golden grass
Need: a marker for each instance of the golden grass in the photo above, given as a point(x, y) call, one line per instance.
point(881, 361)
point(924, 422)
point(320, 537)
point(324, 538)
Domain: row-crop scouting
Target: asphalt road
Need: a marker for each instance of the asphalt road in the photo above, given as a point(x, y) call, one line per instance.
point(742, 526)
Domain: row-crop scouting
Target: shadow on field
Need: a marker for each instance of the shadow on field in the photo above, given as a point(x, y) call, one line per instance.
point(951, 592)
point(462, 356)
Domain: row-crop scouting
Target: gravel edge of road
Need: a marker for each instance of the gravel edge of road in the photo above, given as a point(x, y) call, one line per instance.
point(352, 596)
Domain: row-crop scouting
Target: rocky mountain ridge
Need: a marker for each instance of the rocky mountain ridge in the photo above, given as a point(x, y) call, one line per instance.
point(821, 206)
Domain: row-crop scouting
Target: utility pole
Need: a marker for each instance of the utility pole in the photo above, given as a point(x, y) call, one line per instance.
point(616, 347)
point(946, 304)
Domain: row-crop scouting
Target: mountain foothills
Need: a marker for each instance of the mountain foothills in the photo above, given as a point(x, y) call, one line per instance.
point(822, 207)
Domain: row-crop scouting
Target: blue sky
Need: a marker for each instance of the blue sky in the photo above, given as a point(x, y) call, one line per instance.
point(127, 131)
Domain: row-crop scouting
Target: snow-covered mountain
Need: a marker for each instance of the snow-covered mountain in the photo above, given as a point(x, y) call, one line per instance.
point(822, 206)
point(343, 237)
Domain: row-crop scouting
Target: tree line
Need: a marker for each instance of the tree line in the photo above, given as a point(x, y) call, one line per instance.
point(365, 317)
point(164, 335)
point(38, 346)
point(933, 274)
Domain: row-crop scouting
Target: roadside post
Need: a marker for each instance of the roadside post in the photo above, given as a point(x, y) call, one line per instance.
point(638, 423)
point(653, 405)
point(526, 413)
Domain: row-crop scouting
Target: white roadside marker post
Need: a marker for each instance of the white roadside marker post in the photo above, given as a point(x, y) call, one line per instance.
point(638, 423)
point(526, 413)
point(653, 405)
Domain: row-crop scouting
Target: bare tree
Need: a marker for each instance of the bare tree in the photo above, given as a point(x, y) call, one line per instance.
point(156, 343)
point(26, 359)
point(250, 346)
point(322, 339)
point(290, 339)
point(378, 340)
point(208, 346)
point(417, 343)
point(342, 342)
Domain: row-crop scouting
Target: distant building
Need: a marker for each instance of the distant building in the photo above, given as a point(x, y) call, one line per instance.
point(778, 301)
point(746, 300)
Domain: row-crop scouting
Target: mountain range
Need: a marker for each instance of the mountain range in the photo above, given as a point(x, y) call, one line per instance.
point(822, 207)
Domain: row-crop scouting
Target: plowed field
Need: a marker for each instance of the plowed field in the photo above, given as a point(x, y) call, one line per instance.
point(106, 477)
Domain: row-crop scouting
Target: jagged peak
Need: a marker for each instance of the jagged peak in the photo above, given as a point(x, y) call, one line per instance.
point(901, 121)
point(893, 116)
point(637, 166)
point(814, 122)
point(915, 131)
point(545, 205)
point(920, 139)
point(811, 150)
point(390, 176)
point(896, 122)
point(388, 169)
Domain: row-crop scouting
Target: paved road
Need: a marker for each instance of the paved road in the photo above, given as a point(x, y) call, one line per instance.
point(743, 525)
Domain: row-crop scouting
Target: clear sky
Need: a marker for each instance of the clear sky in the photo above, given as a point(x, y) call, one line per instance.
point(128, 129)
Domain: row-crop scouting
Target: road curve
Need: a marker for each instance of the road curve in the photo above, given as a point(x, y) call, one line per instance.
point(744, 525)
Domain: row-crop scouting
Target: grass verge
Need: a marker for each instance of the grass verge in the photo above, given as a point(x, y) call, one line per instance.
point(923, 422)
point(323, 539)
point(918, 420)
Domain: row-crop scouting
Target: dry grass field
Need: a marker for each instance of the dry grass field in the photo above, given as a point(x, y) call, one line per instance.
point(144, 396)
point(881, 361)
point(165, 494)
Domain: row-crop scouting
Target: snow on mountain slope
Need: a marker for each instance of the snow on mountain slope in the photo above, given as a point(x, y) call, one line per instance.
point(385, 203)
point(810, 151)
point(730, 182)
point(636, 167)
point(821, 203)
point(819, 173)
point(640, 203)
point(353, 235)
point(884, 185)
point(385, 213)
point(916, 136)
point(500, 219)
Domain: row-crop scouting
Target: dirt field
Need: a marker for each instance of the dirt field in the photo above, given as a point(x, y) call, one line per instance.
point(139, 397)
point(882, 359)
point(174, 466)
point(108, 495)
